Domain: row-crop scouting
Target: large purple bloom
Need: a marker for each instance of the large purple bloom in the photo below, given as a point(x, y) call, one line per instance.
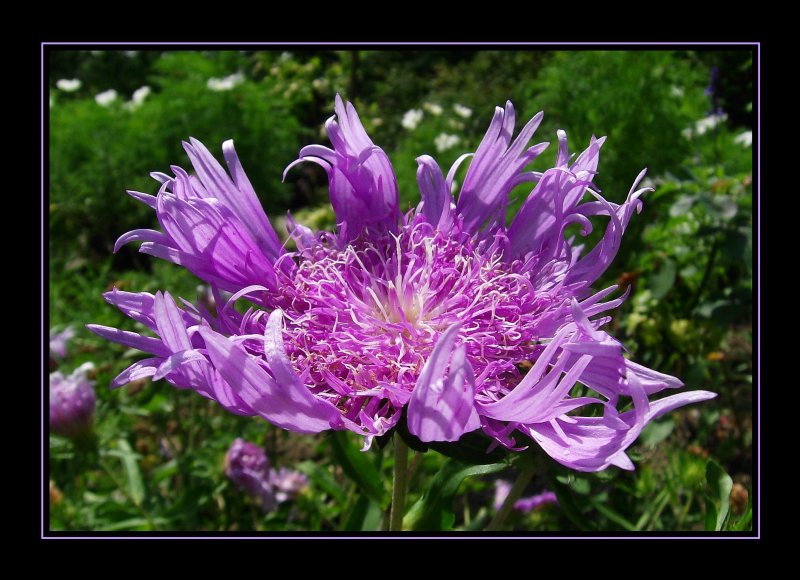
point(435, 312)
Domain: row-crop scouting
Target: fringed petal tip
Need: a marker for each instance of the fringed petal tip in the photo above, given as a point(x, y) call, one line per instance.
point(442, 407)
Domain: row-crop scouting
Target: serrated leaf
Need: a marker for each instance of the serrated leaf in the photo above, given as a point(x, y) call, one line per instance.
point(434, 510)
point(719, 491)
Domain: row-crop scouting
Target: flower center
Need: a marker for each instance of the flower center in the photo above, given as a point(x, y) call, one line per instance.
point(362, 321)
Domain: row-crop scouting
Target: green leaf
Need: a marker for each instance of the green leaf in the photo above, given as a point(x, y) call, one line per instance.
point(165, 471)
point(133, 477)
point(662, 281)
point(358, 467)
point(566, 502)
point(434, 510)
point(600, 506)
point(744, 522)
point(656, 432)
point(133, 524)
point(719, 491)
point(323, 480)
point(365, 516)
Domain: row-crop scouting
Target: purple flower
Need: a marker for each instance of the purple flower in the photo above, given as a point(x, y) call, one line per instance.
point(246, 465)
point(435, 311)
point(72, 402)
point(523, 504)
point(59, 340)
point(528, 504)
point(287, 483)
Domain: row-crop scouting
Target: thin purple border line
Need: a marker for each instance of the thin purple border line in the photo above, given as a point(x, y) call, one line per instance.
point(410, 536)
point(41, 163)
point(757, 45)
point(363, 43)
point(758, 302)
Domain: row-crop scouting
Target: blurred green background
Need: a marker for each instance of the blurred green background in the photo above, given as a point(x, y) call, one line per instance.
point(156, 462)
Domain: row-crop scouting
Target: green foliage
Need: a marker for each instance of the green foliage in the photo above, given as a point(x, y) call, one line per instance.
point(720, 485)
point(155, 460)
point(434, 510)
point(97, 152)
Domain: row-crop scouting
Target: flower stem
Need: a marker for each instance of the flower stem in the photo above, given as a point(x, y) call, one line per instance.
point(523, 479)
point(399, 484)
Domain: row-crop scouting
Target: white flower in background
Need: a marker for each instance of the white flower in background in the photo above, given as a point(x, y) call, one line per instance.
point(68, 85)
point(676, 91)
point(285, 56)
point(687, 133)
point(138, 97)
point(709, 122)
point(225, 83)
point(744, 139)
point(105, 98)
point(462, 111)
point(140, 94)
point(444, 142)
point(320, 84)
point(377, 121)
point(412, 118)
point(131, 53)
point(433, 108)
point(455, 124)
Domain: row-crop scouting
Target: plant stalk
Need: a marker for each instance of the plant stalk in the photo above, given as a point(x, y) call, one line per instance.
point(523, 479)
point(399, 484)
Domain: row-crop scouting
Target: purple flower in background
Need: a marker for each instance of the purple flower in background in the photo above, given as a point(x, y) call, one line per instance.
point(59, 340)
point(437, 311)
point(246, 465)
point(523, 504)
point(287, 483)
point(528, 504)
point(72, 402)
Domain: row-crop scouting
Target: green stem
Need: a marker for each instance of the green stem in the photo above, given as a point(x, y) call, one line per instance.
point(712, 258)
point(399, 484)
point(523, 479)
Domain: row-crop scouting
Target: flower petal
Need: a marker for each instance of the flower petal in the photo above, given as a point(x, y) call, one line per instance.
point(436, 197)
point(441, 408)
point(131, 339)
point(284, 405)
point(362, 183)
point(496, 164)
point(594, 443)
point(236, 194)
